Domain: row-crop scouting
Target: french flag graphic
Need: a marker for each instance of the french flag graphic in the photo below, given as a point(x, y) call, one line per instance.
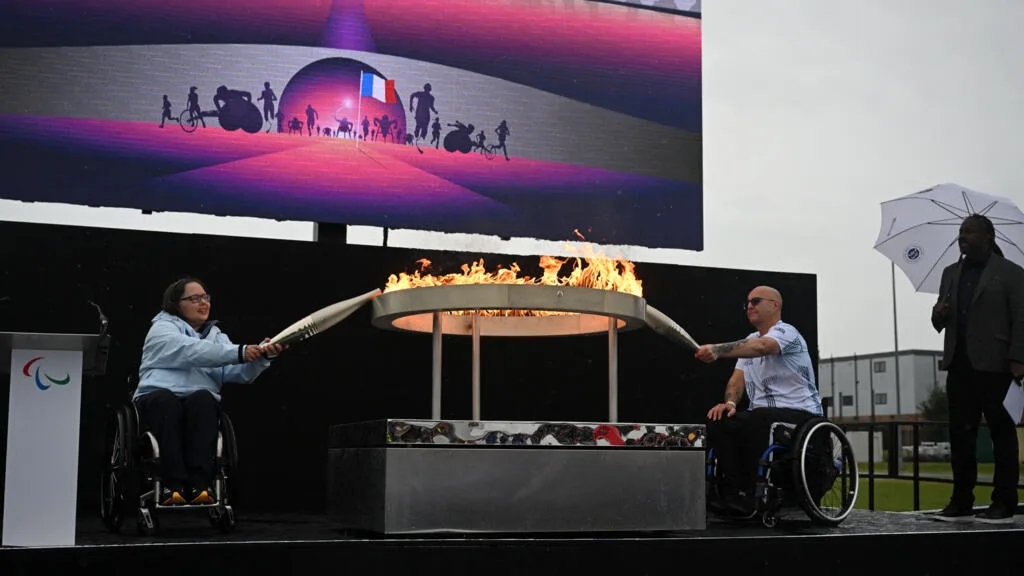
point(376, 87)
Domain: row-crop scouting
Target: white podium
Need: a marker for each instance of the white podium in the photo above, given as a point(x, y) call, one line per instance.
point(41, 476)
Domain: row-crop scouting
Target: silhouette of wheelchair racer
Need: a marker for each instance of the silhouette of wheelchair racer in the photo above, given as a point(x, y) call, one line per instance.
point(235, 110)
point(461, 140)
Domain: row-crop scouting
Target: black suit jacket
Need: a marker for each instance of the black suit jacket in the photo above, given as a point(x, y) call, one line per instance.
point(995, 319)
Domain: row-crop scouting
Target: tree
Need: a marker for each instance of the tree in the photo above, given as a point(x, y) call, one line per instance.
point(935, 408)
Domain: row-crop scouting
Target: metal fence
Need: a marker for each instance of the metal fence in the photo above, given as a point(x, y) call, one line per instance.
point(892, 433)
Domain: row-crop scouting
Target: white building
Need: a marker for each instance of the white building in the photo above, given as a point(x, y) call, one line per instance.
point(868, 382)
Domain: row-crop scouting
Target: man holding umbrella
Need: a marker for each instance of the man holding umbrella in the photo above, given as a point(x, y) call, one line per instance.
point(981, 308)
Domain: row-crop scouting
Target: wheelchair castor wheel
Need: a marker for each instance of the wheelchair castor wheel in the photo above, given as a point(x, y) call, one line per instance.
point(146, 523)
point(769, 519)
point(223, 519)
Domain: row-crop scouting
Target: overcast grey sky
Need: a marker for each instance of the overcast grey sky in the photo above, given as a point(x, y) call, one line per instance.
point(814, 113)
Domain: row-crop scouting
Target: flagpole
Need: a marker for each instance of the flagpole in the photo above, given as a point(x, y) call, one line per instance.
point(359, 108)
point(895, 339)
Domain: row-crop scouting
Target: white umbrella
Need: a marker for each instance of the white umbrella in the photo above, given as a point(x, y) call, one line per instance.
point(919, 231)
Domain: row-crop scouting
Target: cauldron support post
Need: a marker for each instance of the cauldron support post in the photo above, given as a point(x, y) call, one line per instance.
point(613, 370)
point(476, 365)
point(435, 396)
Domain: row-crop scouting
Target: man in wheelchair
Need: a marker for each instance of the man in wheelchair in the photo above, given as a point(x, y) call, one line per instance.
point(774, 369)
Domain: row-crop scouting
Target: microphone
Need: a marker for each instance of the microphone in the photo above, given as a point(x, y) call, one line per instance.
point(959, 263)
point(104, 321)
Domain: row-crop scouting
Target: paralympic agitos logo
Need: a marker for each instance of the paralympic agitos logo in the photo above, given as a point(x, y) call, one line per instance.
point(27, 371)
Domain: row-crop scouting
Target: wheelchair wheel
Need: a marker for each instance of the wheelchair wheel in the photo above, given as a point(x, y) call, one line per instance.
point(118, 479)
point(188, 122)
point(825, 470)
point(230, 453)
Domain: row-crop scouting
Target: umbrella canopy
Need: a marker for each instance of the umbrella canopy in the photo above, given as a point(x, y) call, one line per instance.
point(919, 231)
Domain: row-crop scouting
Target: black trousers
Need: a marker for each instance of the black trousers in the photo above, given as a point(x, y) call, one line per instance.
point(186, 429)
point(738, 443)
point(970, 394)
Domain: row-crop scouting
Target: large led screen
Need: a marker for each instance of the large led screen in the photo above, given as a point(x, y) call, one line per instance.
point(526, 118)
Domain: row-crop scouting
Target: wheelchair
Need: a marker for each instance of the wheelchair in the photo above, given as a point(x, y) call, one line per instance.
point(131, 474)
point(810, 466)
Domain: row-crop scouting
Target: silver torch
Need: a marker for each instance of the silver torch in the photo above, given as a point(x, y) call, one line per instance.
point(665, 326)
point(322, 319)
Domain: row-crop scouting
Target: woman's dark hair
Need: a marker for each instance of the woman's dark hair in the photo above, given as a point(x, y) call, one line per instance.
point(172, 295)
point(989, 228)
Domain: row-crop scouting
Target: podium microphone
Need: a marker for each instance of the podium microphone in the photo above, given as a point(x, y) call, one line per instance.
point(104, 321)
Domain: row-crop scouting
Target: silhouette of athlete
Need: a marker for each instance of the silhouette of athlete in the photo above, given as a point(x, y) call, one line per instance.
point(503, 132)
point(435, 132)
point(224, 96)
point(311, 117)
point(167, 112)
point(193, 105)
point(268, 98)
point(385, 124)
point(424, 107)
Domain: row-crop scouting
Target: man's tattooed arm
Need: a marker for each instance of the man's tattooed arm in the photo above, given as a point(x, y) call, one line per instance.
point(746, 348)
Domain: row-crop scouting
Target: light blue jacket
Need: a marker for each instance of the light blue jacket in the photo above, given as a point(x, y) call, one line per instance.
point(177, 358)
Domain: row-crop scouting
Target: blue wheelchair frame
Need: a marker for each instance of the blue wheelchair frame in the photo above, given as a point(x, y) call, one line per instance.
point(784, 479)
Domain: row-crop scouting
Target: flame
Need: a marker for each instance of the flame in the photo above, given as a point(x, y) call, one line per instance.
point(599, 272)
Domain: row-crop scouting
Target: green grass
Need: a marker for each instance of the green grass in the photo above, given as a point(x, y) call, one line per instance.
point(897, 495)
point(933, 469)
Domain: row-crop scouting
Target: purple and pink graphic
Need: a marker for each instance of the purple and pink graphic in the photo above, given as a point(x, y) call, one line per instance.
point(336, 95)
point(502, 117)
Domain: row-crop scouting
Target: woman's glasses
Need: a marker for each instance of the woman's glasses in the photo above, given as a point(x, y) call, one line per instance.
point(197, 298)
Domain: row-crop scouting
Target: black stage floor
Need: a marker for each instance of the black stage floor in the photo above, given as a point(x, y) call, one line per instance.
point(878, 542)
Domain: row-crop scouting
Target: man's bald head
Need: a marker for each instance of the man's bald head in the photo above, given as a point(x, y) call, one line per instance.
point(769, 293)
point(764, 307)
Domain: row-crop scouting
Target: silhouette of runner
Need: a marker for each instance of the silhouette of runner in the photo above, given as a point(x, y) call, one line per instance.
point(424, 107)
point(503, 132)
point(366, 127)
point(311, 117)
point(268, 98)
point(167, 112)
point(435, 131)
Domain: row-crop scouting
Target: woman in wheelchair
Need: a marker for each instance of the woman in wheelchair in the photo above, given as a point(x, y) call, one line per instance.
point(185, 361)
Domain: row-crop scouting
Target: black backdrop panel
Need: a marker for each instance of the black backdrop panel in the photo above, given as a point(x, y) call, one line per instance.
point(354, 371)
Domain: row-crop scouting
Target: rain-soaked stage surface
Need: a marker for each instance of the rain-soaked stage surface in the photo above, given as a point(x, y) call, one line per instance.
point(868, 542)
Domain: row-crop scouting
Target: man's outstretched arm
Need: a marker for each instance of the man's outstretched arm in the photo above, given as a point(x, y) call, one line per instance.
point(746, 348)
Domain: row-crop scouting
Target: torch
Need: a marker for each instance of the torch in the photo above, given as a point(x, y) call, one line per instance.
point(665, 326)
point(322, 319)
